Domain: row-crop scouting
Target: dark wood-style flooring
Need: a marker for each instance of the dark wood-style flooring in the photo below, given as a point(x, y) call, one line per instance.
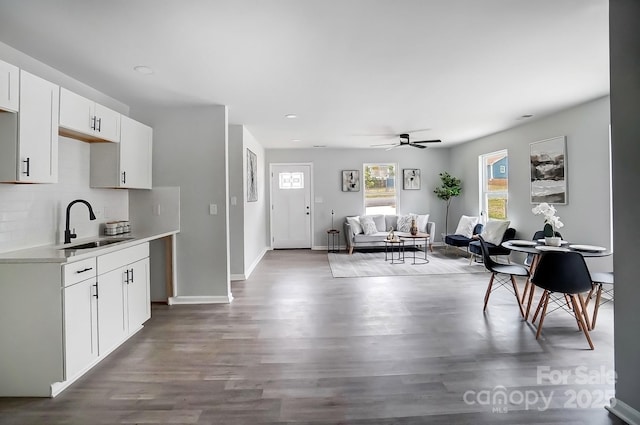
point(297, 346)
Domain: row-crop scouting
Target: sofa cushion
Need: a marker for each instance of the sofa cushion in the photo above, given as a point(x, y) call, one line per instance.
point(493, 231)
point(368, 225)
point(374, 237)
point(466, 225)
point(378, 219)
point(391, 221)
point(354, 222)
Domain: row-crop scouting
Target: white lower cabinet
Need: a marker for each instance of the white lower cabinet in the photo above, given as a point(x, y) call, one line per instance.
point(80, 326)
point(123, 303)
point(123, 295)
point(59, 321)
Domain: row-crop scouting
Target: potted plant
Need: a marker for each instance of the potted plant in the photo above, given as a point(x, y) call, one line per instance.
point(450, 188)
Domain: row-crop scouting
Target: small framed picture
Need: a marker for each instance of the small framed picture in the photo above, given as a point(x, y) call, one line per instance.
point(350, 180)
point(411, 179)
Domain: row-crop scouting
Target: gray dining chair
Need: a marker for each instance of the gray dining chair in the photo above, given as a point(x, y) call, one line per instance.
point(499, 274)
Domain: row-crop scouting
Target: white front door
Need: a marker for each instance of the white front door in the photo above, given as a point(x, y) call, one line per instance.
point(291, 206)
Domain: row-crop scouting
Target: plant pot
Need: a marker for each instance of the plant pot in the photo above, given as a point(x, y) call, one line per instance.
point(552, 241)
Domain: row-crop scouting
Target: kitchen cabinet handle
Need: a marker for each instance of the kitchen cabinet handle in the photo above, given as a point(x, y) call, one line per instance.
point(99, 124)
point(84, 270)
point(28, 162)
point(96, 286)
point(93, 122)
point(126, 280)
point(131, 275)
point(124, 177)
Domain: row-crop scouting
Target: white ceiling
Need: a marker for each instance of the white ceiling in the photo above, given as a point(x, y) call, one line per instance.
point(352, 70)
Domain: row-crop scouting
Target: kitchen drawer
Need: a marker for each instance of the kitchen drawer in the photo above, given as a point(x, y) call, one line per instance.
point(121, 258)
point(78, 271)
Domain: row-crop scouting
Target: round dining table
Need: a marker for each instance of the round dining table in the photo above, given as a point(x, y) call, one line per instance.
point(538, 247)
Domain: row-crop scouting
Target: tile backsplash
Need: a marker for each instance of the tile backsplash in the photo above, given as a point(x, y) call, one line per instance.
point(34, 214)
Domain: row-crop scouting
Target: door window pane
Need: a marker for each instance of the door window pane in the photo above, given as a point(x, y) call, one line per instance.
point(291, 180)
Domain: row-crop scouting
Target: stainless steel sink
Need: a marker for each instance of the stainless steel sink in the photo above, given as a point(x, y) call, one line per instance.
point(98, 243)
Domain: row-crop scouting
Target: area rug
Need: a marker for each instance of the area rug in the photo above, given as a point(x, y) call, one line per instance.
point(364, 264)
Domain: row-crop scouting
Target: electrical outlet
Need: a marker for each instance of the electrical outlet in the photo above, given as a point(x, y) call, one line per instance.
point(156, 209)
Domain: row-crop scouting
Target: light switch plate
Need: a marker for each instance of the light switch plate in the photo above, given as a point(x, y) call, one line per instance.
point(213, 209)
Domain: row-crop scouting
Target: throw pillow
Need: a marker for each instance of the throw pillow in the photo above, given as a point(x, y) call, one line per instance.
point(466, 225)
point(493, 231)
point(378, 219)
point(354, 222)
point(404, 223)
point(368, 225)
point(423, 221)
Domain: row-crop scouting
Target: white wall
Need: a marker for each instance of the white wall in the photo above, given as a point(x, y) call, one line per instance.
point(587, 215)
point(625, 104)
point(256, 221)
point(190, 151)
point(248, 220)
point(327, 168)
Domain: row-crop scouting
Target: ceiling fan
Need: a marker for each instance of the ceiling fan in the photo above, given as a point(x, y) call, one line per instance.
point(405, 140)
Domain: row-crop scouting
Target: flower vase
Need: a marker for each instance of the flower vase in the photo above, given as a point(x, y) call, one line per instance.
point(552, 240)
point(414, 227)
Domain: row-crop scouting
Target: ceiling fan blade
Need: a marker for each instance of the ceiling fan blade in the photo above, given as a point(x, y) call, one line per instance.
point(383, 144)
point(417, 146)
point(392, 147)
point(428, 141)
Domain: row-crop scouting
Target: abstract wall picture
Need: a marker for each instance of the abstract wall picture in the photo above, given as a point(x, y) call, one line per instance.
point(411, 179)
point(350, 180)
point(252, 176)
point(548, 171)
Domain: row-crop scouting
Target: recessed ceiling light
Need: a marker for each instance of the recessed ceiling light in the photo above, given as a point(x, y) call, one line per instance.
point(319, 146)
point(527, 115)
point(296, 140)
point(142, 69)
point(291, 116)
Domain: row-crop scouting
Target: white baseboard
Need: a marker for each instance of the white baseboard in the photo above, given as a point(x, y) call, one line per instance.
point(247, 273)
point(624, 411)
point(253, 265)
point(186, 299)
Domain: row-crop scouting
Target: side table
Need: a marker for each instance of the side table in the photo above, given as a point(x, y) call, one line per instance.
point(389, 248)
point(333, 240)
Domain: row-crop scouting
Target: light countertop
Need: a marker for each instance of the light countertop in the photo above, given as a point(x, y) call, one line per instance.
point(61, 254)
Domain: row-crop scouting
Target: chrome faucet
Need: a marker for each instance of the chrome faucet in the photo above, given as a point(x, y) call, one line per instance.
point(67, 233)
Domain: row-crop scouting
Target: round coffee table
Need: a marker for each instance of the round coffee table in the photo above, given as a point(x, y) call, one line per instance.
point(415, 239)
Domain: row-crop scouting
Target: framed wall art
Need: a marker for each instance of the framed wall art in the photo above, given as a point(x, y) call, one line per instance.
point(548, 171)
point(350, 180)
point(411, 179)
point(252, 176)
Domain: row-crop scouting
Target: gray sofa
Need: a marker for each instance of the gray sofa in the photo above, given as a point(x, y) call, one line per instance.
point(383, 223)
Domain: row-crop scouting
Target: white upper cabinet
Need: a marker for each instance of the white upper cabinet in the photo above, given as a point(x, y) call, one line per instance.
point(29, 148)
point(9, 80)
point(84, 119)
point(126, 164)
